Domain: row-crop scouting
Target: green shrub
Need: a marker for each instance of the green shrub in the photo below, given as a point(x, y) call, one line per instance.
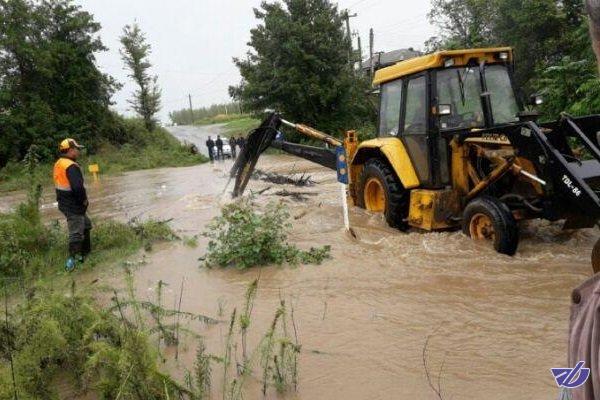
point(244, 237)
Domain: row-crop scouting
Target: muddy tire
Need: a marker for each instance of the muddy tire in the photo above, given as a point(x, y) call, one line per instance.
point(487, 218)
point(596, 257)
point(380, 190)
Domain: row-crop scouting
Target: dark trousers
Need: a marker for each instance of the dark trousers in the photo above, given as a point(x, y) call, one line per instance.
point(233, 152)
point(80, 242)
point(211, 154)
point(220, 153)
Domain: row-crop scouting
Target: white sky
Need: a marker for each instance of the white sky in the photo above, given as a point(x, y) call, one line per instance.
point(193, 41)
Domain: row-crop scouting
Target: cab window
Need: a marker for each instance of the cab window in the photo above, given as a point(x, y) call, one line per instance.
point(460, 88)
point(389, 118)
point(504, 104)
point(415, 120)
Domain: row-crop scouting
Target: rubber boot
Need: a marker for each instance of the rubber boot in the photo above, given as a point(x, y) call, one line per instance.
point(75, 256)
point(86, 246)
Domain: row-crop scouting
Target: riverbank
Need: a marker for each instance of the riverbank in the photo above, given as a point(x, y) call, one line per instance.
point(144, 150)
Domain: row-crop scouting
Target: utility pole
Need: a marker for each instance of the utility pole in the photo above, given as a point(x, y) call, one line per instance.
point(347, 17)
point(191, 110)
point(371, 41)
point(360, 64)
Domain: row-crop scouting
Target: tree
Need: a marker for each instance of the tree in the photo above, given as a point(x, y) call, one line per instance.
point(550, 41)
point(135, 52)
point(299, 66)
point(50, 87)
point(462, 23)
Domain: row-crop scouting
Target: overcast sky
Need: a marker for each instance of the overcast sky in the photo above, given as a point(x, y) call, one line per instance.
point(193, 41)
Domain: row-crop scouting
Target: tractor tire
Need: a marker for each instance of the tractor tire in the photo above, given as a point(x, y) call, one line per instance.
point(596, 257)
point(380, 190)
point(487, 218)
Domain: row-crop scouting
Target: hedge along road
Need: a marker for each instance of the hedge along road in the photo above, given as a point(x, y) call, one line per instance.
point(497, 323)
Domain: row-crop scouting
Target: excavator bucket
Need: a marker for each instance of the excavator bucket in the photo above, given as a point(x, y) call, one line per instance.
point(265, 135)
point(256, 143)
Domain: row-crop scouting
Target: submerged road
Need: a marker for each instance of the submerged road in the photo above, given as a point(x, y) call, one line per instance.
point(496, 324)
point(197, 135)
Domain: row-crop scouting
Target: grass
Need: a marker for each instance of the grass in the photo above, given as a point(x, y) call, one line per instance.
point(58, 336)
point(240, 126)
point(146, 150)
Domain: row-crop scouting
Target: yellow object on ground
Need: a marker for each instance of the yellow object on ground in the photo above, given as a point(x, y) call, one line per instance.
point(94, 170)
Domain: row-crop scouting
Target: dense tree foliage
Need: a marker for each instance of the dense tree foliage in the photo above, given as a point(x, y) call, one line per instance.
point(50, 87)
point(550, 39)
point(135, 53)
point(299, 66)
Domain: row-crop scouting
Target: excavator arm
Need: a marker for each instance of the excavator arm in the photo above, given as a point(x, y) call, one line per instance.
point(265, 136)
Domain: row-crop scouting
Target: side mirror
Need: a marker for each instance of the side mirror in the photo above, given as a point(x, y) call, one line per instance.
point(536, 100)
point(444, 109)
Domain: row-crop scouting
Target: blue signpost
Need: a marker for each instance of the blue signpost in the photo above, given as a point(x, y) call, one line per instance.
point(342, 177)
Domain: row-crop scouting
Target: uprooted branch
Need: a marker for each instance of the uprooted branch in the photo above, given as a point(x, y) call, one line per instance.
point(279, 179)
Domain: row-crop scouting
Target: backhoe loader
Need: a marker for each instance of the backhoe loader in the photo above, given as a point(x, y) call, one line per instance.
point(455, 149)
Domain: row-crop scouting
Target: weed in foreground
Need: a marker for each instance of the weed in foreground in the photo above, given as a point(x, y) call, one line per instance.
point(245, 237)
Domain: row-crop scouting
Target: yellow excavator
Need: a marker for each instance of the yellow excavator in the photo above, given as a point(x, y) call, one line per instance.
point(455, 149)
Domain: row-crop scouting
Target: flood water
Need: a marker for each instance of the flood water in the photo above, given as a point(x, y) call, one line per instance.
point(497, 324)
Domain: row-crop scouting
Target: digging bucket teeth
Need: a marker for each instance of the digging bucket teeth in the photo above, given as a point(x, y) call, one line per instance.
point(256, 143)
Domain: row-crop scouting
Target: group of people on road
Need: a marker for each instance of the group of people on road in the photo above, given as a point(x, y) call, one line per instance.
point(217, 145)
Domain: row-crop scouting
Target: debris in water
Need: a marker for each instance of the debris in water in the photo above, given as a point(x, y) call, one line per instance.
point(298, 196)
point(279, 179)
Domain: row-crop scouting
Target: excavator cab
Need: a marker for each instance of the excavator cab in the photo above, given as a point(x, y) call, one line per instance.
point(422, 109)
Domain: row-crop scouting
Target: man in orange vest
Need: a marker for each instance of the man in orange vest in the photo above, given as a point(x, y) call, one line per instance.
point(72, 201)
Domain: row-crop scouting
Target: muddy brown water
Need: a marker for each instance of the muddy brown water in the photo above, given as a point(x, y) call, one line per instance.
point(496, 324)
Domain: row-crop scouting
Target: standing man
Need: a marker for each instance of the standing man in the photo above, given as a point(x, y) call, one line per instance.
point(72, 201)
point(219, 143)
point(232, 144)
point(210, 144)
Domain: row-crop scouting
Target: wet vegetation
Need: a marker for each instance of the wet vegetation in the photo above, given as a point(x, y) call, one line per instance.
point(60, 341)
point(244, 236)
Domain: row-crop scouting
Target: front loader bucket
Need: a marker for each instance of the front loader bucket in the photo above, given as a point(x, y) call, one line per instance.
point(572, 182)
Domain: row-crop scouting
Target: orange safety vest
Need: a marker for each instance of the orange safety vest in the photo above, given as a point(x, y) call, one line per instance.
point(61, 181)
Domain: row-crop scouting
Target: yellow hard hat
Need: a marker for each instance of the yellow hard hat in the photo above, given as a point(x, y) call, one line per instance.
point(69, 143)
